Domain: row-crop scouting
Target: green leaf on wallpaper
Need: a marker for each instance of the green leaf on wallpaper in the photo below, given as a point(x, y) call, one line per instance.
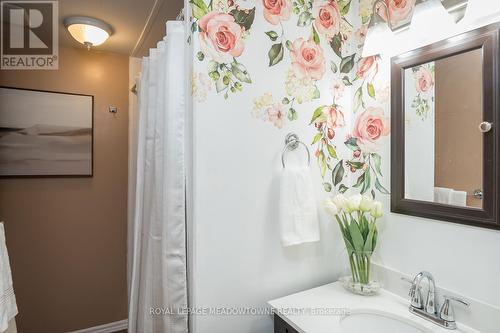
point(379, 187)
point(317, 137)
point(327, 187)
point(360, 181)
point(194, 26)
point(343, 188)
point(333, 67)
point(352, 144)
point(358, 99)
point(288, 45)
point(200, 56)
point(365, 19)
point(315, 36)
point(273, 35)
point(367, 183)
point(317, 113)
point(345, 8)
point(285, 101)
point(240, 72)
point(331, 151)
point(304, 19)
point(275, 54)
point(212, 66)
point(244, 17)
point(336, 45)
point(357, 165)
point(292, 114)
point(322, 163)
point(377, 160)
point(346, 81)
point(371, 90)
point(338, 173)
point(199, 8)
point(220, 85)
point(316, 93)
point(214, 75)
point(347, 64)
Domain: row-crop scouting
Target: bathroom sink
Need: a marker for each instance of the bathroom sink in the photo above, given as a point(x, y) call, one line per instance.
point(379, 322)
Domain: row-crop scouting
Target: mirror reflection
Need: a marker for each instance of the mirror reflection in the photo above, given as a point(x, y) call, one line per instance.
point(443, 142)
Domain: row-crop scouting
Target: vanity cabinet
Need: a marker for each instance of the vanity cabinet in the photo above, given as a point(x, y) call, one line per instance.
point(280, 326)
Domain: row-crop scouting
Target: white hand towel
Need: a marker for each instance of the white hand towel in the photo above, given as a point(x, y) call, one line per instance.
point(8, 307)
point(458, 198)
point(298, 213)
point(442, 195)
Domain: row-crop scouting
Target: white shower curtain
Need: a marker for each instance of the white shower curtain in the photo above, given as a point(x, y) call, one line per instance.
point(158, 287)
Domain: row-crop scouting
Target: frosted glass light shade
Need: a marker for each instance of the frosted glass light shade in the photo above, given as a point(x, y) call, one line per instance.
point(88, 31)
point(477, 10)
point(378, 40)
point(430, 21)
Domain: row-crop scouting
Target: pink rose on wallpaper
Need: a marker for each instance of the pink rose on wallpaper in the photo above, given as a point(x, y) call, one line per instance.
point(327, 18)
point(334, 117)
point(367, 68)
point(399, 10)
point(276, 11)
point(307, 59)
point(275, 115)
point(369, 127)
point(220, 37)
point(423, 80)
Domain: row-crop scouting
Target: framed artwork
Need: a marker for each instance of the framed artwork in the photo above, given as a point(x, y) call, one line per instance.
point(45, 134)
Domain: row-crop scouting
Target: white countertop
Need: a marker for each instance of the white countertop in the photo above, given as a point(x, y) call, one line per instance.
point(301, 310)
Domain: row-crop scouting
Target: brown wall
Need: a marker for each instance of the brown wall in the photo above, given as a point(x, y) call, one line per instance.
point(459, 143)
point(67, 237)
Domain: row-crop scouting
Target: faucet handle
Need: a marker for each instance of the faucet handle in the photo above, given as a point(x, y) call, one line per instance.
point(447, 312)
point(457, 299)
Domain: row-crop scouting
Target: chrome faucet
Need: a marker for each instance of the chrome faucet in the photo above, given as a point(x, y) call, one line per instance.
point(445, 318)
point(416, 295)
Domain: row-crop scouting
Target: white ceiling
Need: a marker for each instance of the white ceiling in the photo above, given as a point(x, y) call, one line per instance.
point(137, 24)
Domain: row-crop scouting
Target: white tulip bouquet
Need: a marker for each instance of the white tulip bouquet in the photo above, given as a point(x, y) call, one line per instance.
point(357, 216)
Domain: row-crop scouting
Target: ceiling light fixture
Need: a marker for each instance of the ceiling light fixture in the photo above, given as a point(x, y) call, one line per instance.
point(378, 35)
point(431, 21)
point(88, 31)
point(477, 15)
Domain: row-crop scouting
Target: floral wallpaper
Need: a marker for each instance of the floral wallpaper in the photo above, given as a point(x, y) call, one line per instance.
point(323, 48)
point(423, 102)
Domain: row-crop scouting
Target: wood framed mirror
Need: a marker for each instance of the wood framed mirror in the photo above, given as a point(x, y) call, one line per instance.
point(445, 145)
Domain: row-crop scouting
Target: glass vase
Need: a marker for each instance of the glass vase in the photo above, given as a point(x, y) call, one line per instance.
point(360, 281)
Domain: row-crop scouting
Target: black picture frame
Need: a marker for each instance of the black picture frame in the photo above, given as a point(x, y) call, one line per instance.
point(91, 173)
point(486, 39)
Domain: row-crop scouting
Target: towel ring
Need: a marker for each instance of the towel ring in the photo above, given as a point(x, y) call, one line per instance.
point(292, 142)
